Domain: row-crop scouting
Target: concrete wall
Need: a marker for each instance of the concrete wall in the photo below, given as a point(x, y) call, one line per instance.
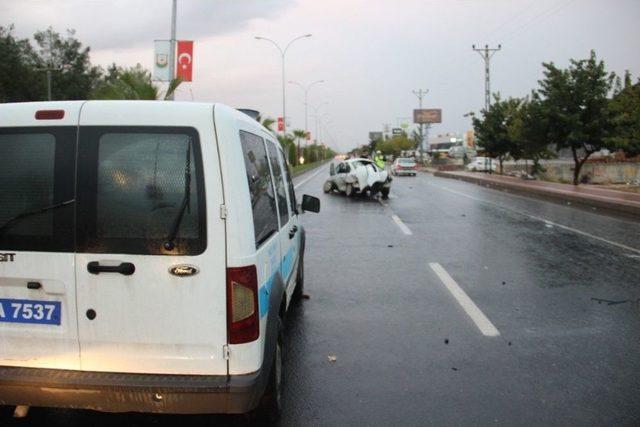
point(596, 173)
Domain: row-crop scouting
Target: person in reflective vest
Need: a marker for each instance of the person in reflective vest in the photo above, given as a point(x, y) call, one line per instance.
point(379, 160)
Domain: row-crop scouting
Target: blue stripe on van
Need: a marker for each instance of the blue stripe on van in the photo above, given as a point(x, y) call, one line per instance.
point(265, 289)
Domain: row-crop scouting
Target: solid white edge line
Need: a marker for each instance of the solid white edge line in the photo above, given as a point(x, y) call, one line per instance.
point(546, 221)
point(308, 178)
point(467, 304)
point(401, 225)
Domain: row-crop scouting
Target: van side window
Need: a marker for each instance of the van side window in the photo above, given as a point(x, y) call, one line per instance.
point(138, 184)
point(292, 194)
point(37, 167)
point(281, 191)
point(263, 200)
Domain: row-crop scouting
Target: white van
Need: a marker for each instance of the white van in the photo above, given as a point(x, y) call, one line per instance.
point(148, 254)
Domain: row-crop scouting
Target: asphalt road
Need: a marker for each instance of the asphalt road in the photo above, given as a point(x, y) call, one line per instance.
point(452, 304)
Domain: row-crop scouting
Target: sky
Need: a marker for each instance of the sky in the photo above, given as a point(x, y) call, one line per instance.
point(371, 54)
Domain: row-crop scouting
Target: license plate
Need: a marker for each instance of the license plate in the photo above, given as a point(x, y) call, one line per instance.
point(30, 311)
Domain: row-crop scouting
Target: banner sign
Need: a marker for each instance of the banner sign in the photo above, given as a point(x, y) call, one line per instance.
point(396, 131)
point(429, 115)
point(161, 60)
point(184, 60)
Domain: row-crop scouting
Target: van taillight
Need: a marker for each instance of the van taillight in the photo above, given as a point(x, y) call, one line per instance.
point(243, 321)
point(49, 114)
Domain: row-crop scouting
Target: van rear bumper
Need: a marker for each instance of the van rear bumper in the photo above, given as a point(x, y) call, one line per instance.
point(124, 392)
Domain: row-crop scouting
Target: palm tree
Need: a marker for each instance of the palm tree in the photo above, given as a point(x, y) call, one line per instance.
point(131, 83)
point(266, 122)
point(297, 134)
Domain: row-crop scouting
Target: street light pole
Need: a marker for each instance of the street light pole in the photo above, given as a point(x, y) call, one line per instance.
point(172, 43)
point(306, 93)
point(315, 110)
point(283, 52)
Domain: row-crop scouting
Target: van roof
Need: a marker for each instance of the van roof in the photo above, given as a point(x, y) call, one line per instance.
point(23, 113)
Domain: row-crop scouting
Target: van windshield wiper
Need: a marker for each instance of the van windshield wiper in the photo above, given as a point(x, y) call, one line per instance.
point(16, 219)
point(169, 244)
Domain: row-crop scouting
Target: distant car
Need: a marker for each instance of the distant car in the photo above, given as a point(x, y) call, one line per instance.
point(404, 166)
point(358, 176)
point(481, 164)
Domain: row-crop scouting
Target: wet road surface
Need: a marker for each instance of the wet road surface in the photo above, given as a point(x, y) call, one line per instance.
point(452, 304)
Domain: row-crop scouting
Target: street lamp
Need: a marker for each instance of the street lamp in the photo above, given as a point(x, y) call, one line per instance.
point(306, 92)
point(282, 54)
point(315, 110)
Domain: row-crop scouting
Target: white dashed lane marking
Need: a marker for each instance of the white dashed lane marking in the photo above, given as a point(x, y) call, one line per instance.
point(467, 304)
point(401, 225)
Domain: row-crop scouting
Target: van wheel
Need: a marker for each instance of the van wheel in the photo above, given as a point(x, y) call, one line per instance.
point(299, 290)
point(348, 190)
point(385, 193)
point(328, 187)
point(271, 404)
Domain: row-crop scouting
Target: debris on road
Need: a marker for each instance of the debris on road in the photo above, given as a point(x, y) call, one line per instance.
point(332, 358)
point(306, 296)
point(446, 340)
point(454, 368)
point(610, 302)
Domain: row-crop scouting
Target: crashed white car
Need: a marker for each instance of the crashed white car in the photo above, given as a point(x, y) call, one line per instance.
point(358, 176)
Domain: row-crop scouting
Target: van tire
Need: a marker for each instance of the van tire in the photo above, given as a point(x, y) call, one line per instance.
point(328, 187)
point(271, 403)
point(299, 290)
point(385, 193)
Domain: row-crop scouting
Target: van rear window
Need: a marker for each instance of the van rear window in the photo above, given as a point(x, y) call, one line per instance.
point(142, 191)
point(37, 167)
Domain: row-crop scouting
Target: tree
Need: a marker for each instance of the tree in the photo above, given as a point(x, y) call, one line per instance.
point(131, 83)
point(625, 116)
point(395, 145)
point(74, 77)
point(19, 79)
point(576, 105)
point(293, 158)
point(493, 129)
point(529, 130)
point(299, 134)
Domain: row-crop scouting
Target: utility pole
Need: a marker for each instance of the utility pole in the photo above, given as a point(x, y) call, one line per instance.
point(420, 93)
point(486, 53)
point(172, 48)
point(50, 67)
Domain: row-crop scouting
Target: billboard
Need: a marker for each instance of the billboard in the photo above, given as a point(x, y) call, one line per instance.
point(161, 60)
point(396, 131)
point(375, 136)
point(427, 115)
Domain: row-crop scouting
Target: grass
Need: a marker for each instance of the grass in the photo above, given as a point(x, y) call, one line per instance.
point(297, 170)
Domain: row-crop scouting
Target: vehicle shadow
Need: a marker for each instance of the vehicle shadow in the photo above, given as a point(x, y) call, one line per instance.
point(71, 418)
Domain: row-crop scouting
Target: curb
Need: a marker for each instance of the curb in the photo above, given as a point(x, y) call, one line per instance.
point(626, 207)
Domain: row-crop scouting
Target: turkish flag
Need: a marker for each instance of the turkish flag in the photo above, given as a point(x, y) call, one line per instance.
point(280, 124)
point(184, 61)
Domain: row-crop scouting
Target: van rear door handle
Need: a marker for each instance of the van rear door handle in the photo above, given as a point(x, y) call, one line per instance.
point(293, 231)
point(125, 268)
